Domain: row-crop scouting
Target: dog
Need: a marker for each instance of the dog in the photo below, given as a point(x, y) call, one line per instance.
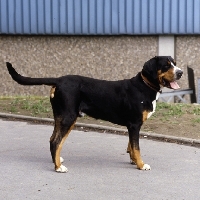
point(126, 102)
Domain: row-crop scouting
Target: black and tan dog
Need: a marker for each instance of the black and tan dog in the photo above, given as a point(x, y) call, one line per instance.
point(126, 102)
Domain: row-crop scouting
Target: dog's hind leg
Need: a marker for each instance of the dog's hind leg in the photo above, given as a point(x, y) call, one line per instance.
point(61, 131)
point(55, 138)
point(129, 151)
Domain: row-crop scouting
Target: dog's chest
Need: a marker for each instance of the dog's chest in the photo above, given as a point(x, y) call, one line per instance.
point(154, 105)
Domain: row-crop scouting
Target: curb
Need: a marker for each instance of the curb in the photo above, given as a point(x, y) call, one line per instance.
point(106, 129)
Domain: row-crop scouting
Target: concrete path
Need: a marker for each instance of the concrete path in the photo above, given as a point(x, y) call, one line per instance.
point(98, 167)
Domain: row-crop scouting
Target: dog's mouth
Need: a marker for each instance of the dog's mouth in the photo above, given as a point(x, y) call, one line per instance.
point(169, 80)
point(170, 84)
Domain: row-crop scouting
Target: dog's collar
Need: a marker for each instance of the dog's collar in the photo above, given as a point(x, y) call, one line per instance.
point(149, 84)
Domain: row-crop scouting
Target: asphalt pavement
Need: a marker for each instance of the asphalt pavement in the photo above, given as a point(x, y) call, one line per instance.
point(98, 167)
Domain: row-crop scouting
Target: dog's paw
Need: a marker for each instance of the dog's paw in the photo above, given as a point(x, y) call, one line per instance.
point(146, 167)
point(132, 162)
point(62, 169)
point(61, 159)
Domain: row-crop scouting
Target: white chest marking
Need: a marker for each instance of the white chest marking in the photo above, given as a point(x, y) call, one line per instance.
point(154, 105)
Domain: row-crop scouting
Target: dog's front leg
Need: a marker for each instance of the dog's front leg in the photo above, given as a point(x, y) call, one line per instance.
point(133, 147)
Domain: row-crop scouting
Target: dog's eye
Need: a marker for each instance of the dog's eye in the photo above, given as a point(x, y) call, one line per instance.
point(167, 67)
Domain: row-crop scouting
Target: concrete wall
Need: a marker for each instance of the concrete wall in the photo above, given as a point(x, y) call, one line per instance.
point(188, 54)
point(111, 58)
point(106, 57)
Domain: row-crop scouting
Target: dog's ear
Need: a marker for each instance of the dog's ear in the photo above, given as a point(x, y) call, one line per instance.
point(151, 67)
point(156, 57)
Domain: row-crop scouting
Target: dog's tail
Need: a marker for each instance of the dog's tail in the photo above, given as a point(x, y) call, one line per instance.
point(28, 80)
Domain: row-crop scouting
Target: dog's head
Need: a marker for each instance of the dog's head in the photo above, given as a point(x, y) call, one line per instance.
point(163, 71)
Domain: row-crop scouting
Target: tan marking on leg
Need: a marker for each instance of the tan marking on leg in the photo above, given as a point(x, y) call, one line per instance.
point(135, 156)
point(56, 130)
point(59, 148)
point(52, 91)
point(132, 160)
point(145, 115)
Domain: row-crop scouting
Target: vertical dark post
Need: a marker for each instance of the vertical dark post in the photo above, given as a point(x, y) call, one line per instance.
point(191, 84)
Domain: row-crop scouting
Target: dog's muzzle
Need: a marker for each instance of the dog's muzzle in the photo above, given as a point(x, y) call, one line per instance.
point(179, 73)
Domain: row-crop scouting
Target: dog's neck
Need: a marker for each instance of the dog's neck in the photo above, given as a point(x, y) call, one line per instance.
point(150, 85)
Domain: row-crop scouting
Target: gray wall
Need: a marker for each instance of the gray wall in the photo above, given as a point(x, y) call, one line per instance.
point(188, 54)
point(106, 57)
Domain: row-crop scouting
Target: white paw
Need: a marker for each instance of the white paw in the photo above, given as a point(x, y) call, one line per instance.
point(146, 167)
point(61, 159)
point(62, 169)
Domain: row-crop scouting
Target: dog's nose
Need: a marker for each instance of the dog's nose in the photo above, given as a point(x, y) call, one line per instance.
point(179, 73)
